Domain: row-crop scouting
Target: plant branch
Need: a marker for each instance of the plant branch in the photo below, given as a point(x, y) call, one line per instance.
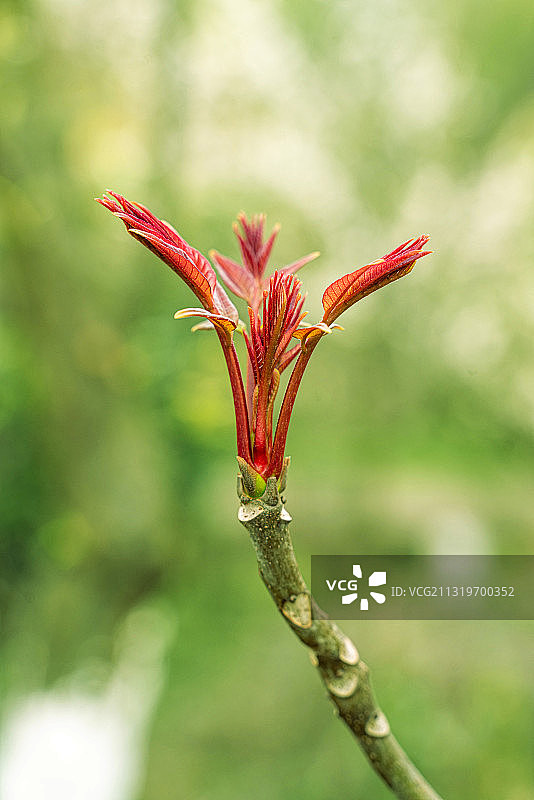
point(345, 676)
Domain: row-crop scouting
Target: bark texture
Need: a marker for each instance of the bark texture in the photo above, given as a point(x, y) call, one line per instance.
point(344, 674)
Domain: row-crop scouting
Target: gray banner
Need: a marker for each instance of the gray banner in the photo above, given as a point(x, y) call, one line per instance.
point(424, 587)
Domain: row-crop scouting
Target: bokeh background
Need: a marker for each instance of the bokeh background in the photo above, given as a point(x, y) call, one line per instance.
point(141, 658)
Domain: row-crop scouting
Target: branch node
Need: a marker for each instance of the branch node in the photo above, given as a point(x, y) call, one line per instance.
point(348, 652)
point(342, 684)
point(377, 725)
point(297, 609)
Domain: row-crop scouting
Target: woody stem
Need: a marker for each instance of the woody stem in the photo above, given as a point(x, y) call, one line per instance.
point(345, 676)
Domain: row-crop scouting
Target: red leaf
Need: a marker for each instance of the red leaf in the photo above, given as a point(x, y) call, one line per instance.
point(347, 290)
point(179, 261)
point(224, 305)
point(296, 265)
point(234, 275)
point(265, 250)
point(163, 240)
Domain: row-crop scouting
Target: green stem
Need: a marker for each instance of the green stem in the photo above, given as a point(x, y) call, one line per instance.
point(345, 676)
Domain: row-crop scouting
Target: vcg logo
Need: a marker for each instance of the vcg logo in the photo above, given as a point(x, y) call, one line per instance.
point(351, 593)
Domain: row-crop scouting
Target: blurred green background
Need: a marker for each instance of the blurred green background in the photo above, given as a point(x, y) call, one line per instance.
point(141, 658)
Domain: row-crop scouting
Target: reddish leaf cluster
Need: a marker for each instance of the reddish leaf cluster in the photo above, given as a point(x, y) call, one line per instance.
point(166, 242)
point(275, 313)
point(347, 290)
point(270, 335)
point(246, 280)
